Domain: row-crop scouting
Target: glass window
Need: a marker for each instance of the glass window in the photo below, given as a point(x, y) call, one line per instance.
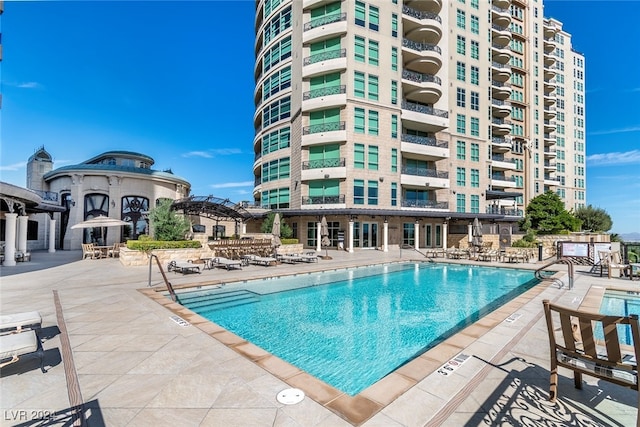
point(461, 150)
point(475, 101)
point(460, 71)
point(373, 157)
point(461, 176)
point(394, 25)
point(460, 97)
point(475, 126)
point(475, 203)
point(373, 122)
point(394, 194)
point(374, 18)
point(372, 192)
point(460, 19)
point(358, 122)
point(360, 13)
point(475, 152)
point(475, 178)
point(394, 58)
point(460, 203)
point(373, 52)
point(358, 85)
point(373, 87)
point(358, 156)
point(358, 192)
point(475, 24)
point(461, 123)
point(394, 126)
point(408, 233)
point(475, 75)
point(394, 92)
point(475, 49)
point(394, 160)
point(359, 49)
point(461, 45)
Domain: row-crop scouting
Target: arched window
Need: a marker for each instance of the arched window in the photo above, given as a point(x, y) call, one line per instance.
point(135, 210)
point(95, 205)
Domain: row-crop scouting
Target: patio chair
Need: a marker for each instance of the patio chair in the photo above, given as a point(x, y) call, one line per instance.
point(613, 263)
point(89, 250)
point(13, 347)
point(183, 267)
point(14, 323)
point(226, 263)
point(114, 252)
point(589, 343)
point(261, 260)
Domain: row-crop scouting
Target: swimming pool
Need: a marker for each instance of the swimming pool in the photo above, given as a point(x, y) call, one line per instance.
point(351, 327)
point(619, 303)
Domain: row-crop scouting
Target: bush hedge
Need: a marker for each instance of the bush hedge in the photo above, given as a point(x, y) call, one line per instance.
point(148, 245)
point(289, 241)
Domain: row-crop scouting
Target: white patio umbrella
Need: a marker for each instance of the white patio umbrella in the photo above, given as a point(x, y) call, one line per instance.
point(476, 233)
point(100, 221)
point(275, 231)
point(324, 233)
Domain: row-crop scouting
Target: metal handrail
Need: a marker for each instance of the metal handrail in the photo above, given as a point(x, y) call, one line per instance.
point(567, 261)
point(172, 293)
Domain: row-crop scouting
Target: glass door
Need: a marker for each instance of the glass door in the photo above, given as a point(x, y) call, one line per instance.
point(369, 235)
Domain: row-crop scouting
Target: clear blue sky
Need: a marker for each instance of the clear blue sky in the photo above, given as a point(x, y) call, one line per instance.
point(174, 80)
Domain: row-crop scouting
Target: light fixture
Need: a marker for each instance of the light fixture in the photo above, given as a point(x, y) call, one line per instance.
point(381, 179)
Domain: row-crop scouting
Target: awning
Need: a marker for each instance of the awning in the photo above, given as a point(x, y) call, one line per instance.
point(494, 194)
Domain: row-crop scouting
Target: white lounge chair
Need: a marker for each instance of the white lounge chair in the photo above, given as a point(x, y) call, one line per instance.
point(261, 260)
point(289, 259)
point(15, 346)
point(17, 322)
point(226, 263)
point(183, 267)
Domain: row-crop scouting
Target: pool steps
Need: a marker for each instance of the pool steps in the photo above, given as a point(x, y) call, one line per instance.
point(202, 303)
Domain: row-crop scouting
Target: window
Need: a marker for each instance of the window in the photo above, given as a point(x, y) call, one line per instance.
point(461, 45)
point(373, 87)
point(475, 75)
point(360, 13)
point(373, 122)
point(461, 176)
point(358, 192)
point(373, 52)
point(460, 19)
point(475, 24)
point(358, 121)
point(358, 85)
point(373, 157)
point(460, 97)
point(372, 192)
point(278, 110)
point(394, 194)
point(358, 156)
point(460, 203)
point(374, 18)
point(475, 178)
point(460, 71)
point(394, 126)
point(276, 140)
point(475, 203)
point(408, 233)
point(359, 49)
point(461, 123)
point(475, 101)
point(394, 58)
point(394, 92)
point(394, 160)
point(474, 4)
point(394, 25)
point(475, 152)
point(475, 126)
point(475, 49)
point(461, 148)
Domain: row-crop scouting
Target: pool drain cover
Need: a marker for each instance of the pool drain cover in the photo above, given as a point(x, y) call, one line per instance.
point(290, 396)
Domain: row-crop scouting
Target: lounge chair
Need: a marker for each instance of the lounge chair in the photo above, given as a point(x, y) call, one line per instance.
point(576, 348)
point(613, 263)
point(261, 260)
point(17, 322)
point(289, 259)
point(89, 250)
point(183, 267)
point(309, 257)
point(14, 346)
point(226, 263)
point(114, 252)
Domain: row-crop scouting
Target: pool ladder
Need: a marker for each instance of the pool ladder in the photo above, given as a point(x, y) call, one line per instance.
point(172, 293)
point(568, 261)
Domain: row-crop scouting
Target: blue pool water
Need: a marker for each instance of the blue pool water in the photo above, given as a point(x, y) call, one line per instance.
point(620, 303)
point(352, 327)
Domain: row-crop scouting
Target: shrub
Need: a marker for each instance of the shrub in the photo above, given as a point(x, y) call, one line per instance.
point(289, 241)
point(149, 245)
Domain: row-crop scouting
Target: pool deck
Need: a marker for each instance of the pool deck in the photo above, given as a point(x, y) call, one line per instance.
point(115, 357)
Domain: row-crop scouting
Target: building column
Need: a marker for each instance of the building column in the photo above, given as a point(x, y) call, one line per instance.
point(318, 237)
point(385, 236)
point(469, 233)
point(445, 227)
point(52, 235)
point(350, 236)
point(417, 235)
point(23, 221)
point(10, 239)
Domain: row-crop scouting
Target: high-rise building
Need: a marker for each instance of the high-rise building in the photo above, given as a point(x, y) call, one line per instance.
point(424, 112)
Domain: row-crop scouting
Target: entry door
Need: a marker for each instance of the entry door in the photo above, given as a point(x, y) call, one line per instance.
point(369, 234)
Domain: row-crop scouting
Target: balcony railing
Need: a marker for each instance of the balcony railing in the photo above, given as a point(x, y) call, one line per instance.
point(500, 102)
point(424, 140)
point(324, 20)
point(420, 15)
point(323, 200)
point(431, 204)
point(550, 123)
point(324, 91)
point(420, 171)
point(501, 158)
point(420, 46)
point(501, 210)
point(501, 122)
point(499, 9)
point(325, 56)
point(500, 66)
point(323, 127)
point(500, 27)
point(551, 178)
point(324, 163)
point(500, 84)
point(502, 177)
point(420, 77)
point(499, 140)
point(47, 196)
point(425, 109)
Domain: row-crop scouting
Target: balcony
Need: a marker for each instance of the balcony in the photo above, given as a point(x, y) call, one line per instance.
point(324, 133)
point(501, 54)
point(500, 127)
point(550, 85)
point(500, 108)
point(500, 72)
point(548, 72)
point(423, 177)
point(550, 28)
point(324, 27)
point(324, 169)
point(422, 57)
point(551, 180)
point(504, 210)
point(421, 25)
point(500, 34)
point(500, 144)
point(548, 45)
point(425, 204)
point(549, 111)
point(425, 88)
point(549, 99)
point(550, 153)
point(550, 125)
point(550, 165)
point(549, 139)
point(499, 162)
point(324, 63)
point(424, 118)
point(433, 6)
point(425, 147)
point(324, 202)
point(500, 90)
point(323, 98)
point(499, 181)
point(312, 4)
point(549, 60)
point(500, 16)
point(47, 196)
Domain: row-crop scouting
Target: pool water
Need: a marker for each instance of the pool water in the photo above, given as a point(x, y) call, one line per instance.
point(352, 327)
point(619, 303)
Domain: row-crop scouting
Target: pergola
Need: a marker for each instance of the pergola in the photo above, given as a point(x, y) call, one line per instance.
point(213, 208)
